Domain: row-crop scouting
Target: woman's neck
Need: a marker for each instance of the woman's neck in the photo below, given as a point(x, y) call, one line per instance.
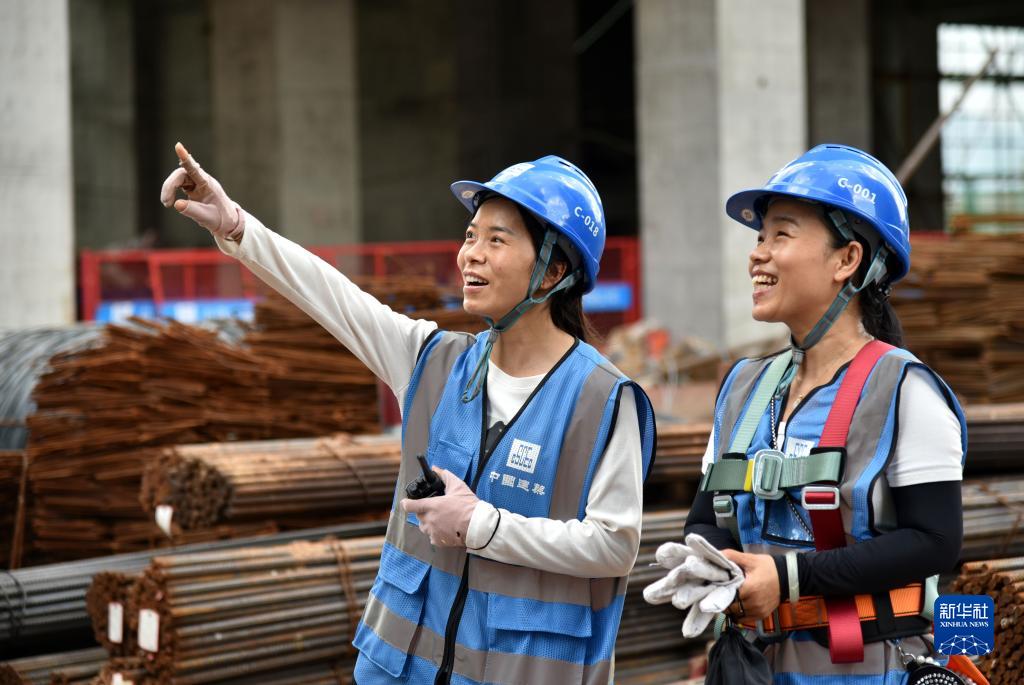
point(531, 346)
point(838, 346)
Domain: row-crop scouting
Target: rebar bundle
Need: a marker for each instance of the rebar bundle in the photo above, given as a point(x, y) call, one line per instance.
point(215, 616)
point(240, 614)
point(963, 313)
point(272, 480)
point(993, 516)
point(48, 603)
point(78, 667)
point(680, 449)
point(1003, 580)
point(108, 601)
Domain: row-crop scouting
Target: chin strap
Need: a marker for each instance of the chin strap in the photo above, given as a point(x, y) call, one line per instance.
point(540, 268)
point(876, 274)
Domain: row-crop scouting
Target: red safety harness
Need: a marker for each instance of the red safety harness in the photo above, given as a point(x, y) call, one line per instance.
point(845, 640)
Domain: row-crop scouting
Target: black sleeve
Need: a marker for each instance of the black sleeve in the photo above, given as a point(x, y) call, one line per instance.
point(926, 541)
point(701, 520)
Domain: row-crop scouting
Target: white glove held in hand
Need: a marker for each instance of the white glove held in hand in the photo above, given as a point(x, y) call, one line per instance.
point(207, 204)
point(445, 519)
point(700, 579)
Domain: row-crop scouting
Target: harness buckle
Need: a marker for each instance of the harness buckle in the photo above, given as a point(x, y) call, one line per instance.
point(767, 474)
point(776, 627)
point(723, 506)
point(816, 501)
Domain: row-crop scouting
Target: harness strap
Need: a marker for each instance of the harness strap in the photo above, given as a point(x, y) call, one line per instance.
point(744, 475)
point(845, 639)
point(724, 505)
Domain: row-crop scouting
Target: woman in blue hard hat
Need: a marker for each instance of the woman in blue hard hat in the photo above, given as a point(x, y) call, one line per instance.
point(516, 574)
point(833, 473)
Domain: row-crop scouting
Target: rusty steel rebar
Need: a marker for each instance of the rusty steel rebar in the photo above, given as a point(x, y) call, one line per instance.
point(272, 480)
point(77, 667)
point(246, 613)
point(1003, 580)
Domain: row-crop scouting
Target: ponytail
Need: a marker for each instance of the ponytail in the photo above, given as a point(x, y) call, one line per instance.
point(876, 312)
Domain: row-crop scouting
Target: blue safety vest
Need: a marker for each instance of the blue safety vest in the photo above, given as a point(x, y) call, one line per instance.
point(481, 620)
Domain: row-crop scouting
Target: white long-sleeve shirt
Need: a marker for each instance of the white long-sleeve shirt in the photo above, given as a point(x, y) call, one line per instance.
point(603, 544)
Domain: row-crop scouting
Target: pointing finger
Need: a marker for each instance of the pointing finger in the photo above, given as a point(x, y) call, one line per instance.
point(190, 165)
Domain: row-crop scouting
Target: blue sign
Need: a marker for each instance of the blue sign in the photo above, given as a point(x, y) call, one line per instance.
point(609, 296)
point(185, 311)
point(964, 624)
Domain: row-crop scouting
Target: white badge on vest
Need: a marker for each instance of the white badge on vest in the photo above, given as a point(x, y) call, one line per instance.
point(523, 456)
point(795, 447)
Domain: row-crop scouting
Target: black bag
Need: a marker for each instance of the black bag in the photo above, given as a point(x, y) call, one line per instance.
point(734, 661)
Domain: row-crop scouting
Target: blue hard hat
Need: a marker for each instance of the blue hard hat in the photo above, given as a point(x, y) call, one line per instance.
point(558, 194)
point(844, 178)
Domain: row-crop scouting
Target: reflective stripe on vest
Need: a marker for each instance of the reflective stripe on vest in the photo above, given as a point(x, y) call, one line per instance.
point(519, 625)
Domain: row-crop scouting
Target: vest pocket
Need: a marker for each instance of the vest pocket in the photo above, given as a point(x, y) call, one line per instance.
point(393, 611)
point(526, 635)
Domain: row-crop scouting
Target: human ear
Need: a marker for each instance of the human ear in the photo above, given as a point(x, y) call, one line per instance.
point(849, 256)
point(555, 273)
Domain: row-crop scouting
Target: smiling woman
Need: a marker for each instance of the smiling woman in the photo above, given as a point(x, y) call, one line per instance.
point(850, 506)
point(516, 573)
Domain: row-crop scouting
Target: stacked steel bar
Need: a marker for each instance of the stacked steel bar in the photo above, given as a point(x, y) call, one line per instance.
point(1003, 580)
point(144, 385)
point(13, 478)
point(258, 601)
point(680, 449)
point(993, 517)
point(66, 668)
point(996, 438)
point(48, 603)
point(272, 480)
point(219, 615)
point(108, 603)
point(962, 310)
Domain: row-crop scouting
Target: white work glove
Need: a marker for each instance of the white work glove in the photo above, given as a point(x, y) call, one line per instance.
point(700, 579)
point(207, 204)
point(445, 519)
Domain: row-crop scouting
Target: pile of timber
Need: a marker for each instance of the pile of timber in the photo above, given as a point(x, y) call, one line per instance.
point(993, 517)
point(48, 604)
point(279, 480)
point(77, 667)
point(962, 308)
point(1003, 580)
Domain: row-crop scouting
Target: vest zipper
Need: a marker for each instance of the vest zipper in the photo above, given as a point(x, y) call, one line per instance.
point(444, 673)
point(489, 439)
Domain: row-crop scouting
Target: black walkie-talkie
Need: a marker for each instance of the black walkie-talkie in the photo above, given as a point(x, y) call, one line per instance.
point(427, 485)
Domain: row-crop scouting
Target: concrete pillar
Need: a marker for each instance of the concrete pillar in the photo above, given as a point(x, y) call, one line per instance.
point(36, 194)
point(720, 107)
point(319, 141)
point(906, 58)
point(408, 76)
point(285, 114)
point(839, 72)
point(176, 104)
point(103, 122)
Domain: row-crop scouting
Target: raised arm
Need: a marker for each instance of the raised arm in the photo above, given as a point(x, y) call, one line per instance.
point(387, 342)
